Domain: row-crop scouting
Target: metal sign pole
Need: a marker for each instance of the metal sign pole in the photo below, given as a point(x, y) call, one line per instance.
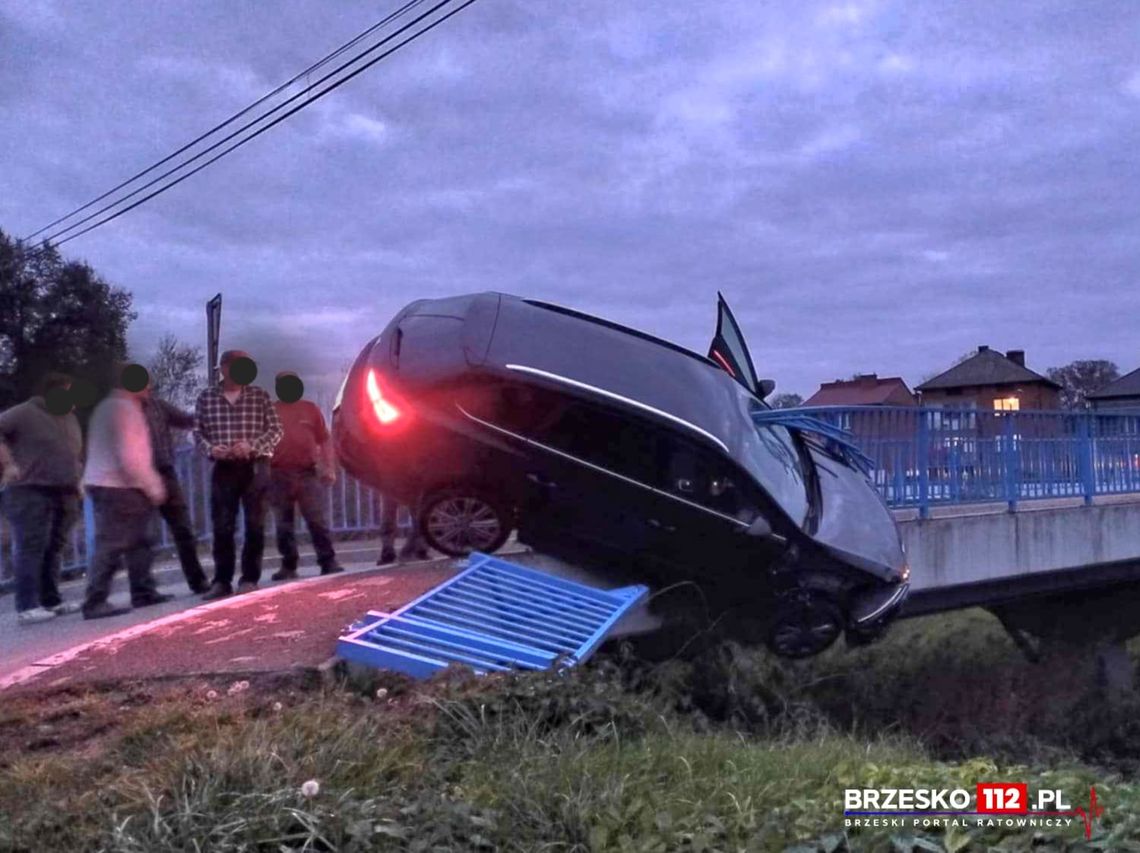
point(213, 333)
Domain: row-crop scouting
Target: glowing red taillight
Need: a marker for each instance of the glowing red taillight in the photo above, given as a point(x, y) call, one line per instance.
point(386, 413)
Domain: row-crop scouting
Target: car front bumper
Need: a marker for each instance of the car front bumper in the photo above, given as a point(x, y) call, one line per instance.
point(872, 611)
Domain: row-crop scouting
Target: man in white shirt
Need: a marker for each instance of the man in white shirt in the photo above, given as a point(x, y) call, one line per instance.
point(124, 487)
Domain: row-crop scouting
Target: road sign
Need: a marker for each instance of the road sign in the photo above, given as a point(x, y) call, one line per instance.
point(213, 332)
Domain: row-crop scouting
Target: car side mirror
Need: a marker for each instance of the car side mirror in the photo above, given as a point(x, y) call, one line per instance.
point(760, 528)
point(766, 387)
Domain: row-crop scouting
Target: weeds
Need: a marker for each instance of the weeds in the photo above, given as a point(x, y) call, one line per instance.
point(735, 752)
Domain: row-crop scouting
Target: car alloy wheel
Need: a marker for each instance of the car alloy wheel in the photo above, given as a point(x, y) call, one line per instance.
point(459, 522)
point(806, 623)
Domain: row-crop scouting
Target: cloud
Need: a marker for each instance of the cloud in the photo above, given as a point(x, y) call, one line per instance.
point(875, 186)
point(1132, 84)
point(363, 127)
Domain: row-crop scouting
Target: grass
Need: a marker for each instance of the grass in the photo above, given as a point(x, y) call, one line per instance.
point(739, 752)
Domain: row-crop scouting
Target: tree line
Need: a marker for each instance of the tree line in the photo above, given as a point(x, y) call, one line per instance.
point(61, 315)
point(58, 314)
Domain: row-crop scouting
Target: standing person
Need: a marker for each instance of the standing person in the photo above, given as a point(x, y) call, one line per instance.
point(301, 469)
point(162, 417)
point(413, 548)
point(124, 487)
point(40, 456)
point(236, 425)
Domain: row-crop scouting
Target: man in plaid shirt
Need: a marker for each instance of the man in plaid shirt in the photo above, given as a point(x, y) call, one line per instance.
point(237, 426)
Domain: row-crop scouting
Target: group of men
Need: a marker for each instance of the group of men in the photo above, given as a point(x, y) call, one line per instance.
point(265, 454)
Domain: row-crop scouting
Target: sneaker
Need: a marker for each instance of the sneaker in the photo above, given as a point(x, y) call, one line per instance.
point(246, 586)
point(152, 599)
point(217, 590)
point(199, 587)
point(34, 615)
point(65, 608)
point(103, 610)
point(334, 569)
point(284, 575)
point(388, 555)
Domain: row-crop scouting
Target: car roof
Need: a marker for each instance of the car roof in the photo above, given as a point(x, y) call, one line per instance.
point(568, 348)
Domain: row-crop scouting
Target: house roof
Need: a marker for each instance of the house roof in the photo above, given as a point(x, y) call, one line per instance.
point(1127, 385)
point(863, 391)
point(986, 367)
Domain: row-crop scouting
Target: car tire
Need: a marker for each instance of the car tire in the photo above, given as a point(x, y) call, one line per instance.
point(460, 520)
point(806, 623)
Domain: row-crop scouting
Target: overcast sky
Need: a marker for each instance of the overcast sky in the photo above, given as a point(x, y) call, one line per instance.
point(875, 186)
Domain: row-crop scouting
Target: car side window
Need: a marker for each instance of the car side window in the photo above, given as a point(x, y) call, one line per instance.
point(700, 476)
point(527, 410)
point(619, 444)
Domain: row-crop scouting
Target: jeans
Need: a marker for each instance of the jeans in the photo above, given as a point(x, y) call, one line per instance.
point(290, 488)
point(388, 510)
point(41, 518)
point(122, 534)
point(236, 484)
point(176, 514)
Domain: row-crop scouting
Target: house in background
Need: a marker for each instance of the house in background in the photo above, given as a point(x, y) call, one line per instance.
point(990, 380)
point(883, 433)
point(866, 389)
point(1124, 393)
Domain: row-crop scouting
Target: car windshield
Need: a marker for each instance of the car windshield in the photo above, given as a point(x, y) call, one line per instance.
point(770, 455)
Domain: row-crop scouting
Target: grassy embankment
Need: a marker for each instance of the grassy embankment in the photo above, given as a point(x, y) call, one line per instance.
point(740, 753)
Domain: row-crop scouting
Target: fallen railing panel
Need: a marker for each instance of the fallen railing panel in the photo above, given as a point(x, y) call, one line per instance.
point(494, 616)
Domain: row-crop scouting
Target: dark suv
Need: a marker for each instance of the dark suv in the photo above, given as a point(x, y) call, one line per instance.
point(616, 450)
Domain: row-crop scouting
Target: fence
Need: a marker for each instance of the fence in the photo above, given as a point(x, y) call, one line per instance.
point(925, 457)
point(353, 509)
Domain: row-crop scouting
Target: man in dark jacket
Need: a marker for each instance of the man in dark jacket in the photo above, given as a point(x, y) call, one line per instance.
point(41, 450)
point(161, 418)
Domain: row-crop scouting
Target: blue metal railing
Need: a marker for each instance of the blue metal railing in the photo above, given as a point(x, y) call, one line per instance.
point(494, 616)
point(920, 457)
point(924, 457)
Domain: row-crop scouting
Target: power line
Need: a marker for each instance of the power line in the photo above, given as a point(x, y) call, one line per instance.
point(388, 19)
point(318, 64)
point(54, 236)
point(276, 121)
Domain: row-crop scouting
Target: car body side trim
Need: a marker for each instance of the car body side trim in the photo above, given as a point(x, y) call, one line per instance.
point(622, 477)
point(623, 399)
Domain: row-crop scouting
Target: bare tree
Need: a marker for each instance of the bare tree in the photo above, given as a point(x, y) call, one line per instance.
point(787, 401)
point(1080, 378)
point(966, 356)
point(176, 372)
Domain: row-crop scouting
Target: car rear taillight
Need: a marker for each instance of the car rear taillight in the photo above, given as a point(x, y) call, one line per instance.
point(386, 413)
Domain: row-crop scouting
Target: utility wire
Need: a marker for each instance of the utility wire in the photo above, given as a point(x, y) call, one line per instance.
point(55, 237)
point(276, 121)
point(302, 74)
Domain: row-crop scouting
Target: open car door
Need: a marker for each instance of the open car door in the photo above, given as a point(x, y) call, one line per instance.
point(730, 352)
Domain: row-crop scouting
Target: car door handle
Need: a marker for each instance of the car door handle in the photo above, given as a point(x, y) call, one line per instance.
point(540, 480)
point(654, 523)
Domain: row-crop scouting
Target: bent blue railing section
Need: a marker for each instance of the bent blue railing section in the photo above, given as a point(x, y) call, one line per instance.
point(924, 457)
point(494, 616)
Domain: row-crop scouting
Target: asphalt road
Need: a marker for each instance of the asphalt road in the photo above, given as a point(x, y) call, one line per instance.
point(21, 645)
point(288, 624)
